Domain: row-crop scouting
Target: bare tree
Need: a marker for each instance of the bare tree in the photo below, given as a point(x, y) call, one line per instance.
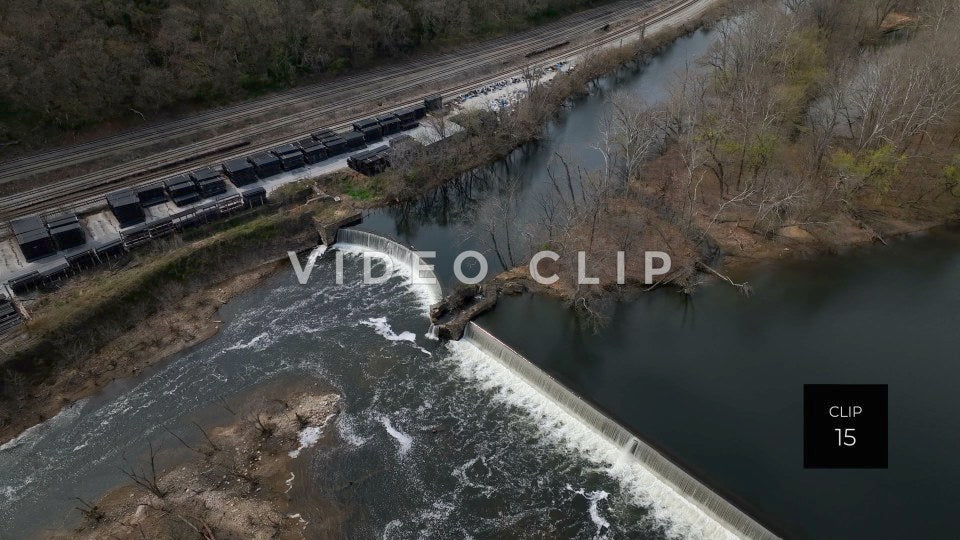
point(148, 479)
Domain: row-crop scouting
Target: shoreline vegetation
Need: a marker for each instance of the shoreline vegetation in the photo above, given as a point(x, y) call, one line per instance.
point(234, 481)
point(751, 159)
point(115, 322)
point(809, 127)
point(69, 348)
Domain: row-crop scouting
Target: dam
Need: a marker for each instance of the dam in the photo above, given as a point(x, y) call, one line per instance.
point(629, 445)
point(433, 436)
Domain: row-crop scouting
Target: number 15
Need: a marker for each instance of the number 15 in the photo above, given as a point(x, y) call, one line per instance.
point(845, 437)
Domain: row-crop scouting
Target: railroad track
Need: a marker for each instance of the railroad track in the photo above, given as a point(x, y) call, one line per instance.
point(484, 51)
point(85, 189)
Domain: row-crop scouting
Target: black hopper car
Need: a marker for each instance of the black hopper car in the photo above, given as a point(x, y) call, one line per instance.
point(389, 123)
point(126, 207)
point(433, 103)
point(152, 194)
point(354, 140)
point(240, 171)
point(182, 190)
point(33, 238)
point(313, 150)
point(266, 164)
point(370, 162)
point(334, 144)
point(323, 134)
point(371, 129)
point(254, 196)
point(66, 230)
point(209, 182)
point(290, 156)
point(408, 116)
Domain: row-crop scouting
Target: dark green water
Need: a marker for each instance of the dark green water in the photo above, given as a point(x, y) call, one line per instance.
point(716, 379)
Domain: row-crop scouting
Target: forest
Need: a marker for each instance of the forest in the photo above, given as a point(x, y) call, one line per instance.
point(71, 64)
point(810, 126)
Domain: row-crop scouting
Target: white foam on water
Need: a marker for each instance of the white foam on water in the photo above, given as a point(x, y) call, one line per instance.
point(316, 254)
point(383, 328)
point(11, 493)
point(595, 497)
point(427, 294)
point(309, 436)
point(437, 515)
point(670, 510)
point(404, 439)
point(247, 344)
point(348, 433)
point(391, 527)
point(30, 436)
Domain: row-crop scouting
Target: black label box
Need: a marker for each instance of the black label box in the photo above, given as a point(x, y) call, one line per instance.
point(845, 426)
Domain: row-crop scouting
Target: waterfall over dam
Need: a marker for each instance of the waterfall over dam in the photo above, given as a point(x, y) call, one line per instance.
point(397, 252)
point(688, 487)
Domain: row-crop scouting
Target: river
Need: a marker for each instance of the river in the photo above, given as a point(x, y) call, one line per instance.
point(716, 379)
point(436, 440)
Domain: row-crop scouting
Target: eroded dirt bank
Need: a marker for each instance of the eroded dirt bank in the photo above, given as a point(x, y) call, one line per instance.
point(236, 479)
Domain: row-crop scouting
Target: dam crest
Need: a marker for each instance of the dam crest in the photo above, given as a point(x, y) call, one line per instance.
point(632, 447)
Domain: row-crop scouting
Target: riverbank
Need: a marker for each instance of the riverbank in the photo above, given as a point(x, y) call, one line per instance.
point(63, 360)
point(234, 482)
point(488, 136)
point(767, 152)
point(114, 323)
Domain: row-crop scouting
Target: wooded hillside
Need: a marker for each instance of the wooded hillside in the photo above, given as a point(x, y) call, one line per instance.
point(66, 64)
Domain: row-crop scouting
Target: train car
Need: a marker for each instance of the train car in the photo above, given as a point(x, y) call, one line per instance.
point(313, 150)
point(66, 230)
point(152, 194)
point(335, 145)
point(26, 224)
point(372, 134)
point(359, 125)
point(433, 103)
point(182, 190)
point(63, 218)
point(126, 207)
point(36, 244)
point(354, 140)
point(209, 182)
point(266, 164)
point(290, 156)
point(323, 134)
point(370, 162)
point(25, 281)
point(254, 196)
point(389, 123)
point(240, 171)
point(68, 236)
point(371, 129)
point(409, 115)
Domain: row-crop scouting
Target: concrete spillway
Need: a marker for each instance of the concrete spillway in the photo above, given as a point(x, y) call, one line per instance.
point(397, 252)
point(692, 489)
point(688, 487)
